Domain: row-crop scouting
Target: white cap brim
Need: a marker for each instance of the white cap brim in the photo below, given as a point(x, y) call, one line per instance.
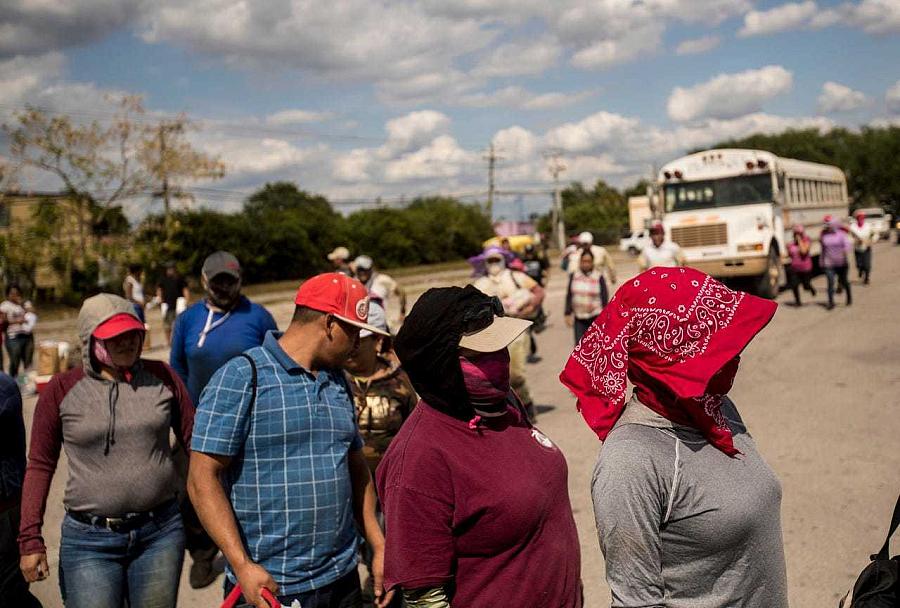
point(496, 336)
point(365, 326)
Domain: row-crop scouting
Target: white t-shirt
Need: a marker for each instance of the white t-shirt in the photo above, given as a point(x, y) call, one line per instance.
point(381, 286)
point(863, 236)
point(137, 290)
point(667, 255)
point(15, 317)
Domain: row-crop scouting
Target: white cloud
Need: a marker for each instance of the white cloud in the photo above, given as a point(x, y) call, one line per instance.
point(354, 39)
point(871, 16)
point(608, 52)
point(729, 95)
point(38, 26)
point(836, 97)
point(295, 117)
point(353, 166)
point(440, 159)
point(412, 131)
point(37, 81)
point(520, 98)
point(515, 143)
point(519, 58)
point(892, 98)
point(694, 46)
point(779, 19)
point(598, 130)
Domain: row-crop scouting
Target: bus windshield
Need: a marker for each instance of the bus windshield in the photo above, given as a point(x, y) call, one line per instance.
point(741, 190)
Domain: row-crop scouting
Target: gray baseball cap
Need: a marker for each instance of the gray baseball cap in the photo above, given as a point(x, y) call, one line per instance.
point(221, 262)
point(377, 318)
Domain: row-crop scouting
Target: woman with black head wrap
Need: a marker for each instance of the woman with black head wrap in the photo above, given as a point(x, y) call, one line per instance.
point(475, 497)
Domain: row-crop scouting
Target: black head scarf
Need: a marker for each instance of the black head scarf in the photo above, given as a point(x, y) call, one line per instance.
point(428, 344)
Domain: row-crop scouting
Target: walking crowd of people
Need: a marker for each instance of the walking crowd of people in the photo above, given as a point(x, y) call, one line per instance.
point(410, 447)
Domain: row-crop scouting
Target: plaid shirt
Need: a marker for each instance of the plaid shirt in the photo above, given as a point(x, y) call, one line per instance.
point(289, 481)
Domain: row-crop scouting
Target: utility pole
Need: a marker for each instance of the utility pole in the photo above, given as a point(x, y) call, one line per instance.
point(492, 159)
point(165, 192)
point(555, 166)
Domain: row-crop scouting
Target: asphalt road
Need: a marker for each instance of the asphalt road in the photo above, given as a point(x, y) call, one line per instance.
point(818, 391)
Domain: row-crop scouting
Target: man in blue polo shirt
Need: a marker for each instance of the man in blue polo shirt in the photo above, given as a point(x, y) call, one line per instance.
point(291, 457)
point(205, 337)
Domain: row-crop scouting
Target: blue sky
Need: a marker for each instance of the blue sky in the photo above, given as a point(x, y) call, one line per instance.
point(357, 99)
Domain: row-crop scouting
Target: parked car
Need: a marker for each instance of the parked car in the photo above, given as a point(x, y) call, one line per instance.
point(879, 219)
point(635, 242)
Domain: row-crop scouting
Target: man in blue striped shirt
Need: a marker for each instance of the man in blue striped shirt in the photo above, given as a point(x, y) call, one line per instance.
point(291, 456)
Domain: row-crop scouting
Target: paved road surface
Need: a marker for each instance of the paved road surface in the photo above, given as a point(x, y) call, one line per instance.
point(818, 390)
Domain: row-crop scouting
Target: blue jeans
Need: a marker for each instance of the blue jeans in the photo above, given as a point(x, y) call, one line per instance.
point(99, 568)
point(838, 275)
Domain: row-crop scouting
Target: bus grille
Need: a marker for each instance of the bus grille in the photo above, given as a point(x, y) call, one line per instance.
point(703, 235)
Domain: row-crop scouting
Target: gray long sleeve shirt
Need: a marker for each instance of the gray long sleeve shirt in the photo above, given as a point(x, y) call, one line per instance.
point(683, 525)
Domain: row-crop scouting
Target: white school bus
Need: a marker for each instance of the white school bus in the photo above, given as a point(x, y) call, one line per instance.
point(732, 210)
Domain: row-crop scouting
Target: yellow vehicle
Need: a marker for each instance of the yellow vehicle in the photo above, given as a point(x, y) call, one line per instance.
point(517, 242)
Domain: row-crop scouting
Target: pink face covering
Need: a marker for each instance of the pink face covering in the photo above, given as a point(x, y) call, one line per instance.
point(101, 354)
point(487, 380)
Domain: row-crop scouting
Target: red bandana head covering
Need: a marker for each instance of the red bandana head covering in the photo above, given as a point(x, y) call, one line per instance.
point(676, 333)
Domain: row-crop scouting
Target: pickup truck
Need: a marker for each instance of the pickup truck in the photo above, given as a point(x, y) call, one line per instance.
point(879, 219)
point(635, 242)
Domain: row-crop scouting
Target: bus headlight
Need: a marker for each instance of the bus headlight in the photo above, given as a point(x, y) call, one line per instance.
point(749, 247)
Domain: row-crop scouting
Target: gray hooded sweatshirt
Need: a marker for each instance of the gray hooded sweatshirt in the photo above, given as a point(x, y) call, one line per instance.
point(115, 433)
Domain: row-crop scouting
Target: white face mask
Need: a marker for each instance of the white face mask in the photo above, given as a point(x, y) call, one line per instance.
point(494, 268)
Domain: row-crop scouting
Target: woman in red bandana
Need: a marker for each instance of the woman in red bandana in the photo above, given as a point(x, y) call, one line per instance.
point(687, 511)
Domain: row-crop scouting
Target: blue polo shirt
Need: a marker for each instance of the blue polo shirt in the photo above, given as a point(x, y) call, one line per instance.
point(229, 334)
point(289, 482)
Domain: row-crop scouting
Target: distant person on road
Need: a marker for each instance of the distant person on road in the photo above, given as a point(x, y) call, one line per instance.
point(685, 505)
point(133, 288)
point(205, 337)
point(660, 252)
point(381, 286)
point(13, 586)
point(171, 288)
point(864, 236)
point(537, 266)
point(18, 334)
point(476, 498)
point(836, 246)
point(602, 260)
point(278, 474)
point(122, 536)
point(339, 261)
point(521, 297)
point(384, 399)
point(801, 265)
point(586, 295)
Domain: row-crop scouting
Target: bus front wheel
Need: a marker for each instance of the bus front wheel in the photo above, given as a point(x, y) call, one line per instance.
point(770, 281)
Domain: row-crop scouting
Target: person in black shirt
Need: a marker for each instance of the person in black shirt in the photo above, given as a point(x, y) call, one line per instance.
point(13, 588)
point(171, 287)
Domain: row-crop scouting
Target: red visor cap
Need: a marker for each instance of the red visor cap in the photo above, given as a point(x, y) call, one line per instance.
point(116, 325)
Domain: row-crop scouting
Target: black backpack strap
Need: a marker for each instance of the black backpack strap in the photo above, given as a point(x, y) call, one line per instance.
point(895, 522)
point(253, 382)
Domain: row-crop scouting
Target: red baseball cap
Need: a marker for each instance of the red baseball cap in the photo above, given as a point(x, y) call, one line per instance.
point(118, 324)
point(337, 294)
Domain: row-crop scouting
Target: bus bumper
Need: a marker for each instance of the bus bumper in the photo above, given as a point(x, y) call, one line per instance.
point(731, 267)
